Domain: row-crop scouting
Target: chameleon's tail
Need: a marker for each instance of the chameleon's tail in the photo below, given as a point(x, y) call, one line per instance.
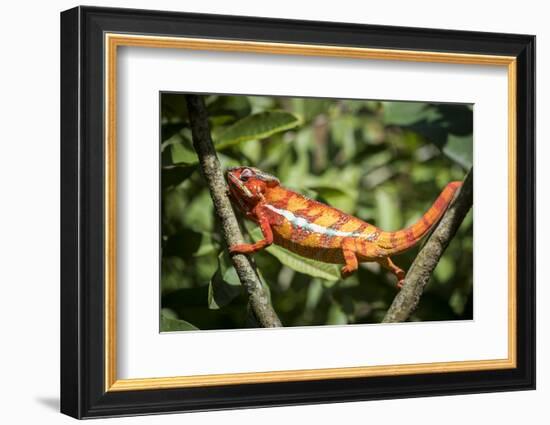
point(401, 240)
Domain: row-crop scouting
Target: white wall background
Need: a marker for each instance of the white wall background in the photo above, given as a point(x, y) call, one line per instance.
point(29, 209)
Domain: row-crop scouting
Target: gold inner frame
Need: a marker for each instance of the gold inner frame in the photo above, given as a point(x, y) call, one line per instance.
point(113, 41)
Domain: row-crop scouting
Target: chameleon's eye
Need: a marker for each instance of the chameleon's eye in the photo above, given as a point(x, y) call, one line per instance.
point(246, 174)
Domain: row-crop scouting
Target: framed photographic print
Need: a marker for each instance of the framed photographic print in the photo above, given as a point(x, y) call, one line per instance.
point(262, 212)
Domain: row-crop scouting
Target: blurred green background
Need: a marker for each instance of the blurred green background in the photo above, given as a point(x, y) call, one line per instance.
point(384, 162)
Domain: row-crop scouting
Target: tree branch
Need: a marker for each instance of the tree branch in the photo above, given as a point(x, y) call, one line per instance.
point(213, 174)
point(425, 262)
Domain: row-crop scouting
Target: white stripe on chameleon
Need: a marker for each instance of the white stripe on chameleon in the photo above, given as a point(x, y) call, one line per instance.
point(312, 227)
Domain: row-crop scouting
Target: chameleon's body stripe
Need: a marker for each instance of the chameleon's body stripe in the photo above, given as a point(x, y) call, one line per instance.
point(321, 232)
point(301, 223)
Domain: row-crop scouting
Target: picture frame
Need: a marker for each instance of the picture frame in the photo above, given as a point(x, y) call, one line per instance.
point(90, 40)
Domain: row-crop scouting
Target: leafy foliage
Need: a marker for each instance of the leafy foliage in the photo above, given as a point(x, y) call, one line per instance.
point(330, 272)
point(256, 127)
point(384, 162)
point(225, 284)
point(169, 323)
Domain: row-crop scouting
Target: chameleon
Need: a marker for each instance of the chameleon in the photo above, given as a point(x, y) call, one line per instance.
point(318, 231)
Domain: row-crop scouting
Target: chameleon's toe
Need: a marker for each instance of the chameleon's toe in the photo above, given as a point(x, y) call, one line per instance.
point(346, 272)
point(239, 249)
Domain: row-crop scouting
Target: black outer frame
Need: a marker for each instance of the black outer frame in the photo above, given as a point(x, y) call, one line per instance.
point(82, 206)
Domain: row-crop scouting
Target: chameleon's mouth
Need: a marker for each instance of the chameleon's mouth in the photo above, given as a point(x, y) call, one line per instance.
point(233, 181)
point(236, 187)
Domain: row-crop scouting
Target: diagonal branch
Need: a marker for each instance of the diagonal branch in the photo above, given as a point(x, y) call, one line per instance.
point(406, 301)
point(213, 174)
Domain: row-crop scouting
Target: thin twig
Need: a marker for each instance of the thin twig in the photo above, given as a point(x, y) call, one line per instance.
point(406, 301)
point(211, 169)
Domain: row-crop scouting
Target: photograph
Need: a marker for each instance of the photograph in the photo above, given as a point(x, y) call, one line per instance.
point(334, 198)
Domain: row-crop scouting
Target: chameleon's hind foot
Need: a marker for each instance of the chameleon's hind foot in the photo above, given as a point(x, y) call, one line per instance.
point(346, 272)
point(399, 273)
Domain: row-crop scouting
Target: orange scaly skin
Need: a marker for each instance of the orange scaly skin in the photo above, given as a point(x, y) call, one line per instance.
point(318, 231)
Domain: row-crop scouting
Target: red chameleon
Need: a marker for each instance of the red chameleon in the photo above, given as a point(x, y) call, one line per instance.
point(318, 231)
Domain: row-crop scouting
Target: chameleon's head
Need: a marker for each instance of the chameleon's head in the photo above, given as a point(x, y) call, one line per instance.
point(247, 186)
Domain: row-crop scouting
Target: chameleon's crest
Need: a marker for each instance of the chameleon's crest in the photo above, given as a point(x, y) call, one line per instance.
point(262, 175)
point(246, 173)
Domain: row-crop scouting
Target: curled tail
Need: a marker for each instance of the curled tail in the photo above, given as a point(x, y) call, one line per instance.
point(401, 240)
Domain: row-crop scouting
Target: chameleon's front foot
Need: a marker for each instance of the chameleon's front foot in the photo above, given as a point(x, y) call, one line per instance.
point(248, 248)
point(243, 248)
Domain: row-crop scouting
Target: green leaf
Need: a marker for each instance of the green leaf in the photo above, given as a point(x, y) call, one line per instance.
point(182, 244)
point(262, 103)
point(183, 152)
point(187, 243)
point(309, 108)
point(168, 323)
point(330, 272)
point(174, 108)
point(449, 127)
point(178, 149)
point(336, 315)
point(373, 131)
point(294, 165)
point(342, 130)
point(404, 113)
point(445, 269)
point(252, 151)
point(460, 149)
point(197, 214)
point(388, 217)
point(172, 268)
point(266, 287)
point(208, 245)
point(173, 175)
point(336, 187)
point(228, 272)
point(236, 106)
point(336, 197)
point(224, 285)
point(305, 265)
point(255, 127)
point(314, 294)
point(458, 301)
